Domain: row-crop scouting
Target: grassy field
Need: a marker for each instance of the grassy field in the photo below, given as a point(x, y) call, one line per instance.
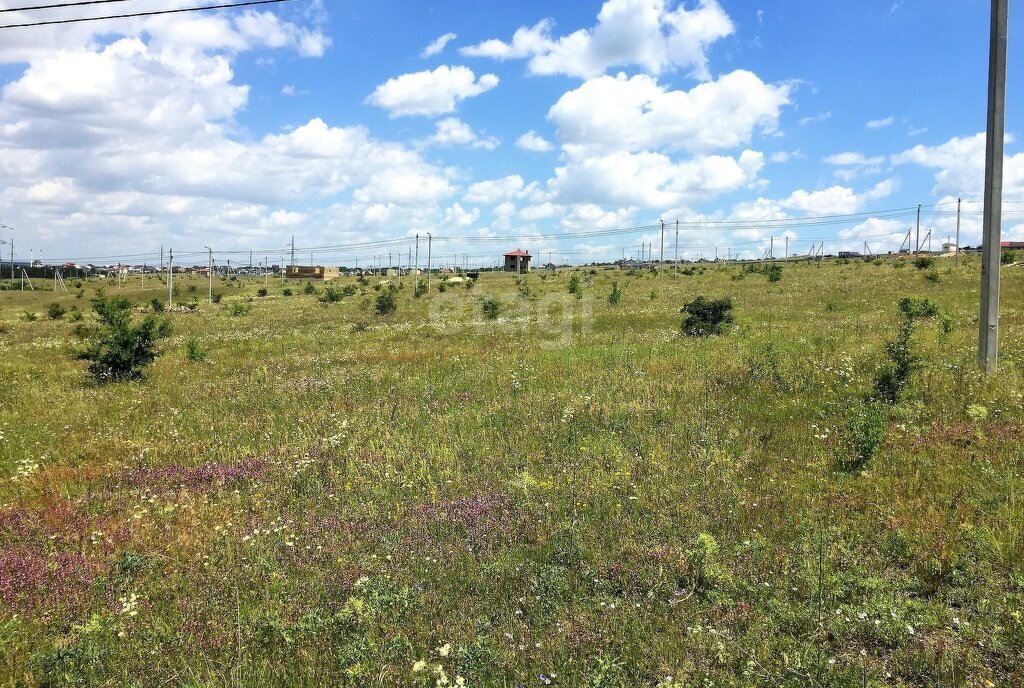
point(571, 494)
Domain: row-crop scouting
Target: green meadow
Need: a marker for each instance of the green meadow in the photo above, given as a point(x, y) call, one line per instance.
point(508, 484)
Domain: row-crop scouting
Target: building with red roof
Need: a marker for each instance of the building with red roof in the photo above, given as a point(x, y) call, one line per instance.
point(517, 261)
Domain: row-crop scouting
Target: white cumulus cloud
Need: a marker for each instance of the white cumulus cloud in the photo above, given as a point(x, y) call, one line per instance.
point(654, 35)
point(532, 141)
point(451, 131)
point(620, 113)
point(960, 162)
point(437, 45)
point(652, 180)
point(430, 92)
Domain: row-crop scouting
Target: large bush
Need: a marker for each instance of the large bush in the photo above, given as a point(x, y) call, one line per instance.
point(121, 349)
point(706, 317)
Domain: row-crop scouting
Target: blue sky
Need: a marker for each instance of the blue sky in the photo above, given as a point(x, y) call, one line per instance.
point(333, 122)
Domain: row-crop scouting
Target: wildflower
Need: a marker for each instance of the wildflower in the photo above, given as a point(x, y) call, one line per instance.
point(418, 666)
point(445, 650)
point(130, 605)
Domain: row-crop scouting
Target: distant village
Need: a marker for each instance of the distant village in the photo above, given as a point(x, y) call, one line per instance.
point(517, 261)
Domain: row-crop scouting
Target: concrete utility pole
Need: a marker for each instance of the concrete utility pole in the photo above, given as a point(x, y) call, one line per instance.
point(786, 257)
point(430, 241)
point(771, 248)
point(677, 246)
point(293, 250)
point(988, 320)
point(956, 259)
point(170, 279)
point(210, 271)
point(917, 236)
point(416, 269)
point(662, 242)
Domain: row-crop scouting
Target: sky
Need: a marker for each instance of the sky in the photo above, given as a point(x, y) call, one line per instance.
point(354, 126)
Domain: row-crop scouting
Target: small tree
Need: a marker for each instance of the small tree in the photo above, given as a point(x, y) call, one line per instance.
point(55, 311)
point(706, 317)
point(385, 303)
point(194, 351)
point(122, 350)
point(491, 308)
point(575, 287)
point(616, 294)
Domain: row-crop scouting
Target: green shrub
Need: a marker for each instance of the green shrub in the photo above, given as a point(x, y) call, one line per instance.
point(924, 262)
point(193, 351)
point(702, 557)
point(262, 291)
point(575, 287)
point(217, 297)
point(865, 434)
point(309, 288)
point(385, 304)
point(705, 317)
point(616, 294)
point(330, 295)
point(238, 308)
point(933, 276)
point(770, 270)
point(191, 289)
point(892, 377)
point(491, 308)
point(286, 292)
point(29, 316)
point(122, 350)
point(157, 305)
point(55, 311)
point(1008, 257)
point(915, 307)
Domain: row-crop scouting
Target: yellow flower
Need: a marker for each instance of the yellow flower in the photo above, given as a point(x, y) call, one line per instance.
point(445, 650)
point(418, 666)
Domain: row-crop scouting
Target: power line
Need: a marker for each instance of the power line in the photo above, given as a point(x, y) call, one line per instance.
point(151, 13)
point(59, 5)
